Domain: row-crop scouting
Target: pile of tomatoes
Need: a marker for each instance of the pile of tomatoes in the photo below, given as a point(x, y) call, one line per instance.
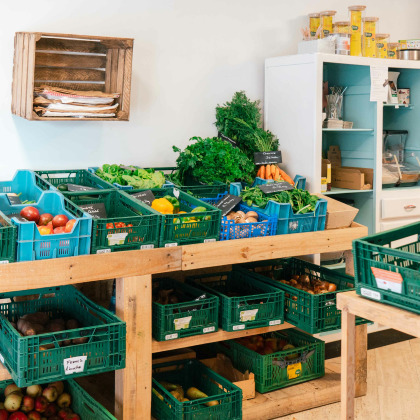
point(47, 223)
point(118, 225)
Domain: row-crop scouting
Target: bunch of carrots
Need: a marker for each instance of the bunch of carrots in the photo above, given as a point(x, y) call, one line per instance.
point(273, 172)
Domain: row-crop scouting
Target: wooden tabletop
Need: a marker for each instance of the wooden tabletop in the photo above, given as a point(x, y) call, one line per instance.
point(398, 319)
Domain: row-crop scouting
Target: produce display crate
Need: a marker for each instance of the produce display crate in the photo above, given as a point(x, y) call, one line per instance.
point(396, 255)
point(281, 369)
point(184, 319)
point(31, 245)
point(8, 234)
point(311, 313)
point(299, 182)
point(80, 177)
point(167, 184)
point(192, 373)
point(26, 183)
point(82, 403)
point(78, 62)
point(145, 229)
point(30, 360)
point(287, 221)
point(174, 232)
point(245, 302)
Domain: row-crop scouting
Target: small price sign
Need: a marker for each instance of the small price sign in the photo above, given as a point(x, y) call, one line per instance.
point(14, 199)
point(267, 158)
point(75, 187)
point(227, 203)
point(227, 139)
point(274, 187)
point(146, 197)
point(97, 210)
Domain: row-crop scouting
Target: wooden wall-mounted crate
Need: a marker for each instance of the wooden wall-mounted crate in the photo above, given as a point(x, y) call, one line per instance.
point(76, 62)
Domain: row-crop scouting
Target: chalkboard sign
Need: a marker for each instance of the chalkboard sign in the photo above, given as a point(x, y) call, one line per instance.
point(267, 158)
point(97, 210)
point(18, 217)
point(227, 139)
point(75, 187)
point(227, 203)
point(14, 199)
point(273, 187)
point(146, 197)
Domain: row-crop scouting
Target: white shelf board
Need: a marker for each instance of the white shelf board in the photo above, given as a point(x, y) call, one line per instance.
point(344, 191)
point(398, 106)
point(356, 130)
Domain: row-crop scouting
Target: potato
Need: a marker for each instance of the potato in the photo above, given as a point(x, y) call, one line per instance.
point(253, 214)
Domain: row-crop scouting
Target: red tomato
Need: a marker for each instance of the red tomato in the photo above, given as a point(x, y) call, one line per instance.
point(30, 213)
point(60, 229)
point(129, 225)
point(46, 230)
point(60, 220)
point(45, 218)
point(69, 225)
point(110, 225)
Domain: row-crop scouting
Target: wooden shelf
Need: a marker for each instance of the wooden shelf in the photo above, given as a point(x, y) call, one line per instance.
point(348, 130)
point(77, 62)
point(344, 191)
point(196, 340)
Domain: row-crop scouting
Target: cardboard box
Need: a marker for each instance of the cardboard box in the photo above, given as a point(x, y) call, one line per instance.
point(339, 215)
point(334, 156)
point(223, 366)
point(352, 178)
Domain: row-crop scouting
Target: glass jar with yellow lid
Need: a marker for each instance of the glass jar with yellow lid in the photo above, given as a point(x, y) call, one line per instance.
point(369, 33)
point(327, 22)
point(393, 47)
point(382, 45)
point(314, 22)
point(356, 29)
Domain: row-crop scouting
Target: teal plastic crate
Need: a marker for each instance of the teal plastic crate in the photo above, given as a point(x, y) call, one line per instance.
point(245, 302)
point(82, 403)
point(121, 208)
point(282, 368)
point(192, 373)
point(186, 318)
point(311, 313)
point(205, 227)
point(8, 234)
point(31, 245)
point(27, 184)
point(395, 251)
point(82, 177)
point(39, 358)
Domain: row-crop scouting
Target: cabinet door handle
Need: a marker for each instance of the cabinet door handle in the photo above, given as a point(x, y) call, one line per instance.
point(410, 206)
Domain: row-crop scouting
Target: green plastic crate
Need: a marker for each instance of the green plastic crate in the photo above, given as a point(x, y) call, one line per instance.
point(144, 234)
point(74, 176)
point(27, 359)
point(398, 251)
point(82, 403)
point(173, 232)
point(8, 237)
point(311, 313)
point(192, 373)
point(275, 371)
point(183, 319)
point(259, 304)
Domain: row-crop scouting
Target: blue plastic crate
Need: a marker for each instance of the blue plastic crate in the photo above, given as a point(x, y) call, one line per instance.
point(299, 182)
point(167, 184)
point(213, 201)
point(31, 245)
point(26, 183)
point(287, 220)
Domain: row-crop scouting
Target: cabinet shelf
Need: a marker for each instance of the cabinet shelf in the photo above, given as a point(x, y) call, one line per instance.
point(344, 191)
point(398, 106)
point(349, 130)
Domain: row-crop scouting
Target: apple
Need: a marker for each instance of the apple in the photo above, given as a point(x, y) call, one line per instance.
point(28, 404)
point(41, 404)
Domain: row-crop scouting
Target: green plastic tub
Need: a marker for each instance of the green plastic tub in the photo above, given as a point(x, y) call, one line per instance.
point(8, 237)
point(39, 358)
point(191, 373)
point(245, 302)
point(191, 317)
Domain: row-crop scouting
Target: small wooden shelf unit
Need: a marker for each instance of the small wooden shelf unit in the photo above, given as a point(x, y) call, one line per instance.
point(77, 62)
point(133, 271)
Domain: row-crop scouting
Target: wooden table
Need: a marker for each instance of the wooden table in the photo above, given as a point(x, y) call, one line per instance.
point(352, 305)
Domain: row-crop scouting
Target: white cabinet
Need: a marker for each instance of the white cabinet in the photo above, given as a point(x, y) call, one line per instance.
point(400, 207)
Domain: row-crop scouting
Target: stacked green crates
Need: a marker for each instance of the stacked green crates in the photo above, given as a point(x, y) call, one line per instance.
point(8, 237)
point(255, 305)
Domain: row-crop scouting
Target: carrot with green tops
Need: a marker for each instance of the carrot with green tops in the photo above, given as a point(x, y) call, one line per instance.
point(286, 177)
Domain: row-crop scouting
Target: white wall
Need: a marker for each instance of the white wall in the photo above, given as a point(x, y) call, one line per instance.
point(189, 55)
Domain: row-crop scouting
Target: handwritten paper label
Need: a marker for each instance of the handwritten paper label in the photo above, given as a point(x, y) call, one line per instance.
point(378, 84)
point(182, 323)
point(249, 315)
point(74, 365)
point(116, 238)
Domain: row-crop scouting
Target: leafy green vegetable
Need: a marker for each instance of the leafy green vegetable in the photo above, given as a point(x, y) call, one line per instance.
point(241, 120)
point(211, 159)
point(131, 175)
point(301, 201)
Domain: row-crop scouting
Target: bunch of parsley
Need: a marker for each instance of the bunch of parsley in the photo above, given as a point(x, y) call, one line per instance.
point(241, 120)
point(210, 160)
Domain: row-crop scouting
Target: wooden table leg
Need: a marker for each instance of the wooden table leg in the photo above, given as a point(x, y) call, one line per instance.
point(348, 364)
point(361, 360)
point(133, 384)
